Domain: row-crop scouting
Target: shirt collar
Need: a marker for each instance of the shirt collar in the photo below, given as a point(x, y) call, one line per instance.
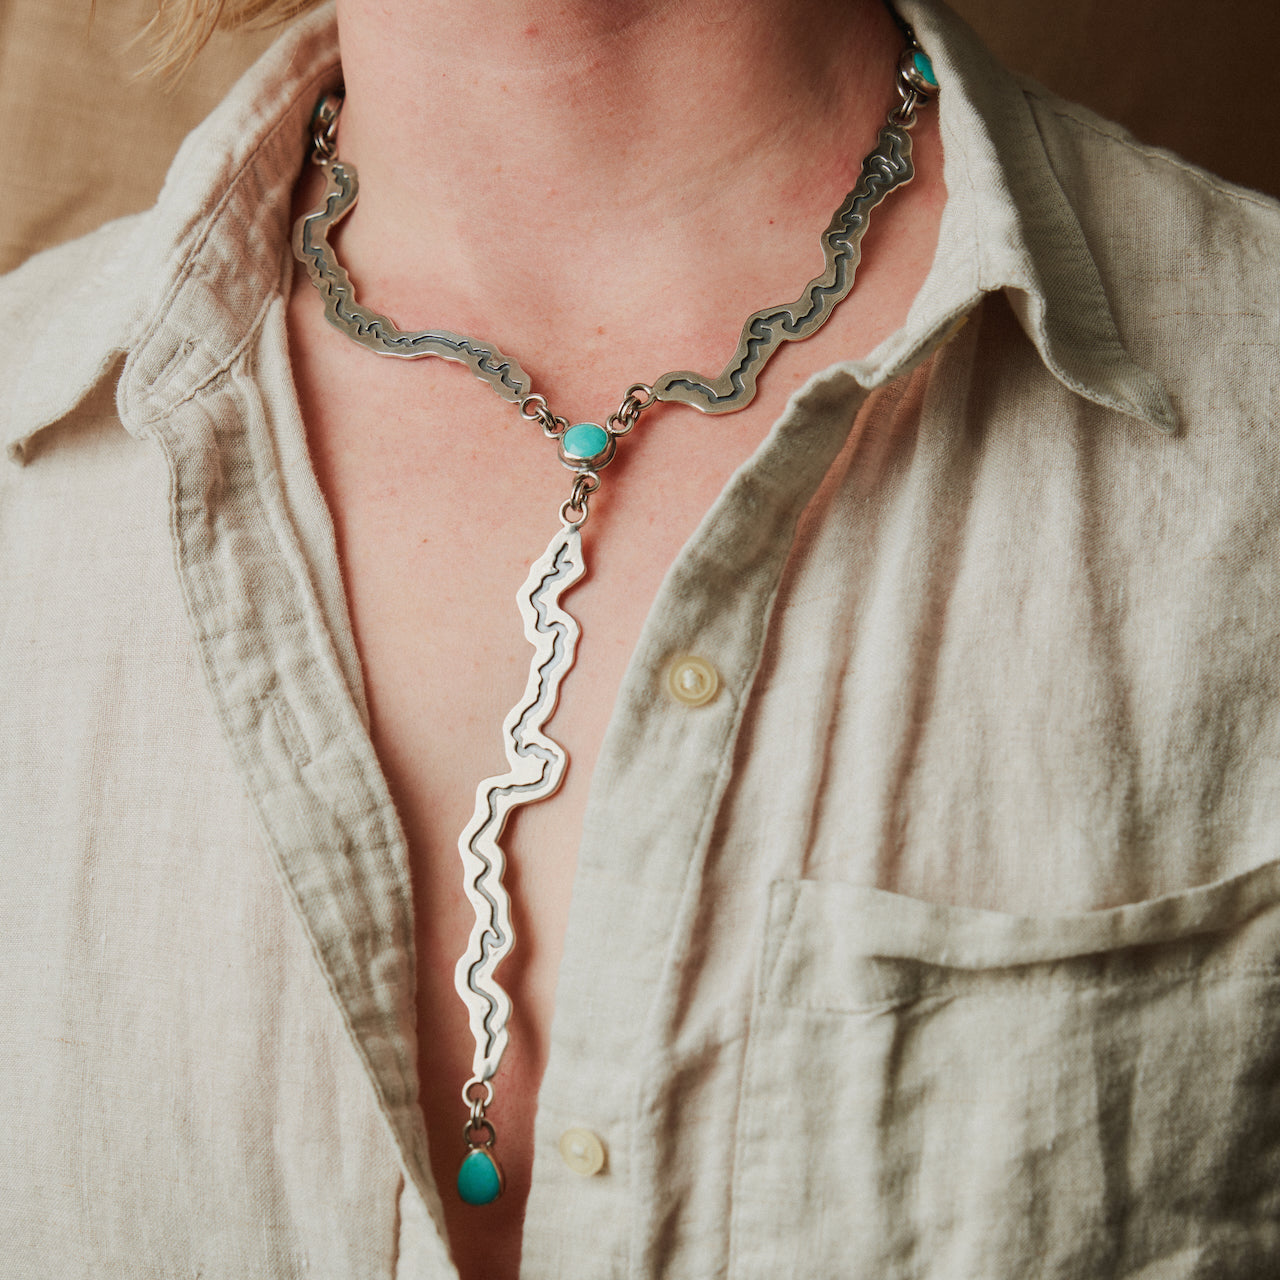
point(1008, 225)
point(178, 291)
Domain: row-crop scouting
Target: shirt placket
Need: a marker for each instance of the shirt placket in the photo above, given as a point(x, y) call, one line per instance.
point(663, 769)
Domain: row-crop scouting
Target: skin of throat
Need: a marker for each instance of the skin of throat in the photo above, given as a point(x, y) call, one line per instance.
point(541, 170)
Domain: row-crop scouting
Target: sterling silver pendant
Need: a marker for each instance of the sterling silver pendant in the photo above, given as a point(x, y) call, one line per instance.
point(536, 769)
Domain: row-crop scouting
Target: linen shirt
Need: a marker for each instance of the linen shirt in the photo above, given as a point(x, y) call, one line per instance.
point(942, 942)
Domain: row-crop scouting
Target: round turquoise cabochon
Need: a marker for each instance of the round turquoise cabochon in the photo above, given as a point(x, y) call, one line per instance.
point(584, 440)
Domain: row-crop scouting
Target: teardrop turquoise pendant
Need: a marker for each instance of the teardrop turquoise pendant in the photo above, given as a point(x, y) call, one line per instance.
point(480, 1179)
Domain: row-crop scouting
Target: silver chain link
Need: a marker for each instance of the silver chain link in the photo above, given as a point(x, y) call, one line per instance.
point(324, 128)
point(904, 114)
point(639, 397)
point(477, 1105)
point(534, 408)
point(584, 485)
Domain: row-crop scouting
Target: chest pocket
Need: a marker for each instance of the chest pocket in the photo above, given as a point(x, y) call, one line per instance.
point(937, 1092)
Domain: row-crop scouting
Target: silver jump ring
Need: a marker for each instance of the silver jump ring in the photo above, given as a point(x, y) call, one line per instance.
point(534, 408)
point(904, 115)
point(471, 1127)
point(324, 127)
point(569, 521)
point(639, 396)
point(586, 483)
point(641, 393)
point(484, 1100)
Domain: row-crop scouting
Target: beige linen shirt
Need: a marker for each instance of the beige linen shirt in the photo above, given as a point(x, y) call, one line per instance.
point(943, 943)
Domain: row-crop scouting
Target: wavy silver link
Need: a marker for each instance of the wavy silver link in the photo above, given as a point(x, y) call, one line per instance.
point(371, 329)
point(886, 168)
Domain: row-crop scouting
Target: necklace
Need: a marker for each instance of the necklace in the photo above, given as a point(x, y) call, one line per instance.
point(536, 764)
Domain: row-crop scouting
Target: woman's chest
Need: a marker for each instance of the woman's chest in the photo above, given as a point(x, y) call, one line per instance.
point(440, 507)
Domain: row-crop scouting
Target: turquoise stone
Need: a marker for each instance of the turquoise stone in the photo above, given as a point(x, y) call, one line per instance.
point(925, 67)
point(479, 1178)
point(584, 440)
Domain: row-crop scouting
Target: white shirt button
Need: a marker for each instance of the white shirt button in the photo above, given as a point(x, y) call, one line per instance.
point(582, 1151)
point(692, 680)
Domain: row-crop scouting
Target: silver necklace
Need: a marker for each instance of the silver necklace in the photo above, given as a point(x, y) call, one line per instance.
point(536, 764)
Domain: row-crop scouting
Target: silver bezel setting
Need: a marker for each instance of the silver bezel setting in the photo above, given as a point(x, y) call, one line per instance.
point(596, 461)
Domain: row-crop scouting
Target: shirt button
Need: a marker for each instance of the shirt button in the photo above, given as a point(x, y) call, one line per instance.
point(582, 1151)
point(692, 680)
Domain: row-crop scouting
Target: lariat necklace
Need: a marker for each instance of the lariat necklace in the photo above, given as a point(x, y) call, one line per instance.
point(536, 764)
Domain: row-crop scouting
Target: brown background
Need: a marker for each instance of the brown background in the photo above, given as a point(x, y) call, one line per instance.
point(85, 140)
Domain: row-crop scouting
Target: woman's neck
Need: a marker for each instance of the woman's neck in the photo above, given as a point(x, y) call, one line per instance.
point(545, 155)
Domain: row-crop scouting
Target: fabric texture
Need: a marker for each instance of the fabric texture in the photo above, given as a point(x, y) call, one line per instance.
point(87, 136)
point(943, 942)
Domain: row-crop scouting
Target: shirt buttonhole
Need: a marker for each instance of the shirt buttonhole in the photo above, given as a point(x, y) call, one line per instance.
point(290, 731)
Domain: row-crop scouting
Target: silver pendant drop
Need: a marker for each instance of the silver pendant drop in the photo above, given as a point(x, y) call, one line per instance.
point(536, 768)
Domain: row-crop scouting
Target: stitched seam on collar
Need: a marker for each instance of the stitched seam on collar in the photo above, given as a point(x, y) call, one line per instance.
point(204, 229)
point(220, 370)
point(1063, 110)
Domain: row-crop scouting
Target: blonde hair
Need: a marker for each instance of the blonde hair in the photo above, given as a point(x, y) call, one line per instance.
point(181, 28)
